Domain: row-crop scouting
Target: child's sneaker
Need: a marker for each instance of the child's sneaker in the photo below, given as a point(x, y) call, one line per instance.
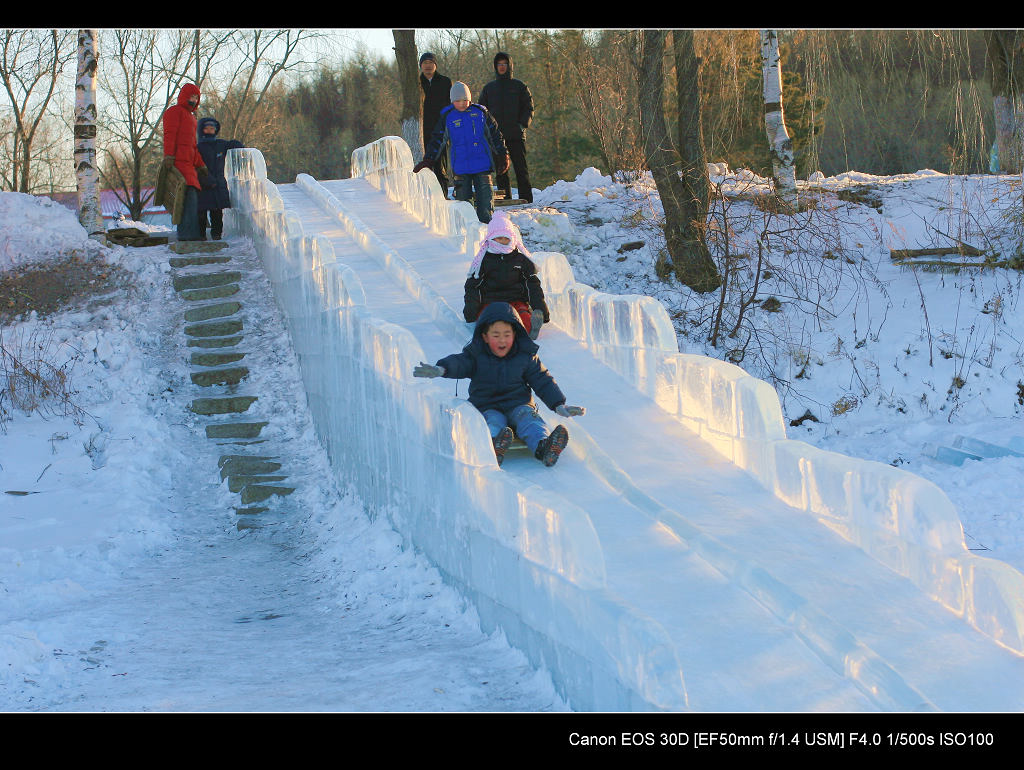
point(549, 448)
point(502, 442)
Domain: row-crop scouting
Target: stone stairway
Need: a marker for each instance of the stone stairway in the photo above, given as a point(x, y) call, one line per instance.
point(214, 326)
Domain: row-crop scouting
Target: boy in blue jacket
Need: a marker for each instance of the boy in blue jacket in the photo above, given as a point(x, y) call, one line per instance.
point(474, 144)
point(504, 370)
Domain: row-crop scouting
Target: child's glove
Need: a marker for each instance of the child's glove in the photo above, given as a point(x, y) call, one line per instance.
point(570, 411)
point(168, 161)
point(422, 165)
point(428, 370)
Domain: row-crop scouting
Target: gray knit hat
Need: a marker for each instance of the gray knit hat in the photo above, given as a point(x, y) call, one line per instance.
point(459, 91)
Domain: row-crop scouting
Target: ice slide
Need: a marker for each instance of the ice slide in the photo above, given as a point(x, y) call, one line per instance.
point(683, 554)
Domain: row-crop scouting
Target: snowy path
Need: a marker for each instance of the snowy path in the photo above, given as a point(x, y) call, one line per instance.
point(673, 518)
point(320, 610)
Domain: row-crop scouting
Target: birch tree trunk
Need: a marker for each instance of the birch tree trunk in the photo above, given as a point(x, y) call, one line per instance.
point(780, 145)
point(90, 214)
point(1004, 62)
point(412, 100)
point(684, 226)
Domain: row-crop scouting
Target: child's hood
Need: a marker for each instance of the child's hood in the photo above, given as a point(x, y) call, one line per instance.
point(203, 122)
point(502, 311)
point(500, 225)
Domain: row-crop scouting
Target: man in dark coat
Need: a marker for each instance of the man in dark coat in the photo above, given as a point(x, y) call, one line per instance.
point(181, 153)
point(511, 103)
point(435, 98)
point(214, 197)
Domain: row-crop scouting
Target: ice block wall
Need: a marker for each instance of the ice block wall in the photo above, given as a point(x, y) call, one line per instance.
point(902, 520)
point(527, 558)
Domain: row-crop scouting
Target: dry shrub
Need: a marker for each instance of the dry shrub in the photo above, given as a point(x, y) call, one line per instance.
point(31, 380)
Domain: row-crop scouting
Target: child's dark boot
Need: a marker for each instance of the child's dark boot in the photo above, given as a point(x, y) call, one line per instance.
point(549, 448)
point(501, 443)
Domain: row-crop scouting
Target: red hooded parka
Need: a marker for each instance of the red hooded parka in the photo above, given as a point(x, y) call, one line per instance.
point(180, 135)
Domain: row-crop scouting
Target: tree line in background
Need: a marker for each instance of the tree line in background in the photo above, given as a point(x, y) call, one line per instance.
point(883, 102)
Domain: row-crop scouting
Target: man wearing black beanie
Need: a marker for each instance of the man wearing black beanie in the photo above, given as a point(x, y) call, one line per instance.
point(435, 98)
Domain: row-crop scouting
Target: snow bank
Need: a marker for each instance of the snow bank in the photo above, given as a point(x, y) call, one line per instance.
point(35, 229)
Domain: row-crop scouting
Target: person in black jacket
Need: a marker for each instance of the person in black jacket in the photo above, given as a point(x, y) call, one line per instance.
point(435, 98)
point(511, 103)
point(504, 371)
point(503, 271)
point(213, 197)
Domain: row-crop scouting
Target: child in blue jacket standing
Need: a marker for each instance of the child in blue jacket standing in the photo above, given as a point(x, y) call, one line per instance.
point(504, 370)
point(474, 144)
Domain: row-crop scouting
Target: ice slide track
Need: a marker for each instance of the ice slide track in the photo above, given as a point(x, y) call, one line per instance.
point(756, 605)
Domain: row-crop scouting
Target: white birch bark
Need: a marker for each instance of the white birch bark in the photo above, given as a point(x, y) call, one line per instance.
point(90, 214)
point(779, 142)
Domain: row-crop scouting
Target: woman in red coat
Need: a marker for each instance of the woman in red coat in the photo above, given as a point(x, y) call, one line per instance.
point(180, 151)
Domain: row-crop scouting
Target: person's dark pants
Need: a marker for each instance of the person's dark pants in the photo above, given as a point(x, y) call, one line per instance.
point(517, 153)
point(188, 228)
point(484, 194)
point(440, 169)
point(216, 223)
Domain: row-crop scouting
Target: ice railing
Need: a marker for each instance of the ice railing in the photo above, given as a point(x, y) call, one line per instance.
point(901, 519)
point(387, 165)
point(529, 559)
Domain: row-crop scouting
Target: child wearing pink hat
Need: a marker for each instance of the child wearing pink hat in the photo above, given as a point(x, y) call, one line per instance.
point(503, 271)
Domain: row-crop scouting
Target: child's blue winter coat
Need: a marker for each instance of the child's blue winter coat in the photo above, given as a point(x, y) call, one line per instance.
point(472, 137)
point(502, 383)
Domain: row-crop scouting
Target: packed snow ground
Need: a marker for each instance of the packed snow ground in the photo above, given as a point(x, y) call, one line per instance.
point(126, 586)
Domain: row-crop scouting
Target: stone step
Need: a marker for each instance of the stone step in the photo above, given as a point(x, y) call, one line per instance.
point(206, 312)
point(248, 467)
point(198, 260)
point(235, 429)
point(251, 510)
point(238, 483)
point(206, 280)
point(214, 292)
point(240, 442)
point(225, 405)
point(194, 247)
point(215, 359)
point(257, 493)
point(213, 329)
point(227, 376)
point(214, 342)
